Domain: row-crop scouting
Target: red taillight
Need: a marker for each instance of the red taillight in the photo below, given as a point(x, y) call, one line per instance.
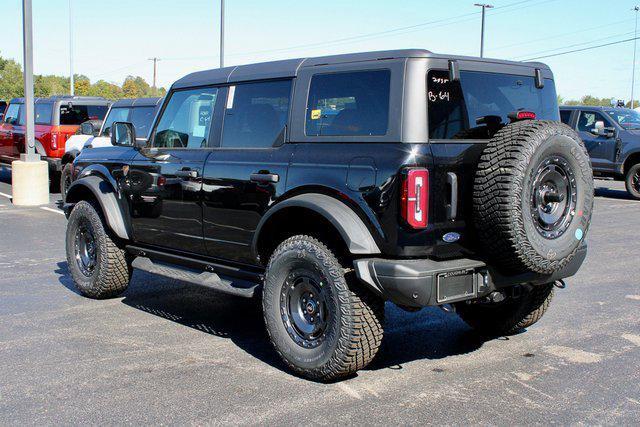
point(54, 140)
point(522, 115)
point(415, 198)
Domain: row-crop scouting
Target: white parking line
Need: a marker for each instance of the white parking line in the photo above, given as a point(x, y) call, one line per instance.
point(58, 211)
point(8, 196)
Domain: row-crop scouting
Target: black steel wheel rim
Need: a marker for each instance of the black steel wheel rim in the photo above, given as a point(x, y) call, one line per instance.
point(554, 197)
point(85, 249)
point(303, 307)
point(635, 181)
point(66, 182)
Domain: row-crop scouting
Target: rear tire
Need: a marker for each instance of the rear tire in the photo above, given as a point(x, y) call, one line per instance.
point(632, 181)
point(322, 324)
point(510, 316)
point(99, 267)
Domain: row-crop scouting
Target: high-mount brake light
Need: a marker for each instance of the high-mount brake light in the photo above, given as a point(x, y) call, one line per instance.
point(522, 115)
point(415, 198)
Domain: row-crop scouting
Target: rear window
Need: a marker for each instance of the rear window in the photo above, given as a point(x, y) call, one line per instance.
point(479, 103)
point(349, 104)
point(141, 118)
point(72, 114)
point(565, 116)
point(43, 113)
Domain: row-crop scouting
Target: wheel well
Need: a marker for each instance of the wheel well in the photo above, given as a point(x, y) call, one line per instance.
point(67, 158)
point(79, 193)
point(293, 221)
point(631, 160)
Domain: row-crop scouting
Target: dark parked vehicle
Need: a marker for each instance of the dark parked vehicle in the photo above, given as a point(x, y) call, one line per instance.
point(327, 186)
point(56, 119)
point(3, 107)
point(612, 137)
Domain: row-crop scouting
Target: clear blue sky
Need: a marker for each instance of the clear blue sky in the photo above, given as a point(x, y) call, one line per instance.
point(114, 38)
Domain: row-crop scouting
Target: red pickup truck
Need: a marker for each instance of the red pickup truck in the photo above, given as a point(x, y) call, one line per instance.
point(56, 119)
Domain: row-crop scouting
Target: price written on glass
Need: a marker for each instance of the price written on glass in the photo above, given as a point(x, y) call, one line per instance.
point(439, 95)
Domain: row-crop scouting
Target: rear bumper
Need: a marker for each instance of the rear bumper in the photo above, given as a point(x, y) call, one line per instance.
point(424, 282)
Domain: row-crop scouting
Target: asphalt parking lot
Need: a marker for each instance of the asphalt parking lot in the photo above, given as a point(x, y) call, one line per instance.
point(166, 352)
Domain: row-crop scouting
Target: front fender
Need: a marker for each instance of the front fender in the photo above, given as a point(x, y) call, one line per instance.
point(106, 196)
point(354, 232)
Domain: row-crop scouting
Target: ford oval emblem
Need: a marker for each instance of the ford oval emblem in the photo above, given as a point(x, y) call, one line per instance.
point(451, 237)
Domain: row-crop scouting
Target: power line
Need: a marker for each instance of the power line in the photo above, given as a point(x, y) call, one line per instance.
point(583, 49)
point(574, 45)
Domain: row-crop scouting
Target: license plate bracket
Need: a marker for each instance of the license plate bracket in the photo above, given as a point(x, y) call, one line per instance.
point(456, 285)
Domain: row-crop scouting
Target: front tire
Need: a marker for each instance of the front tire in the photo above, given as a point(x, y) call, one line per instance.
point(321, 322)
point(99, 267)
point(66, 178)
point(510, 316)
point(632, 181)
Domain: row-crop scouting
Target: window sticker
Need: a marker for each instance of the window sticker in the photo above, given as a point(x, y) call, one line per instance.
point(316, 114)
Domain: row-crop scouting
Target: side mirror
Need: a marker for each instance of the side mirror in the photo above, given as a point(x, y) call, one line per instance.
point(598, 129)
point(87, 128)
point(123, 133)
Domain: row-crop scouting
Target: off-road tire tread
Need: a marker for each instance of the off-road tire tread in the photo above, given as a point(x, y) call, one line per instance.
point(497, 193)
point(63, 189)
point(115, 267)
point(509, 319)
point(627, 182)
point(362, 316)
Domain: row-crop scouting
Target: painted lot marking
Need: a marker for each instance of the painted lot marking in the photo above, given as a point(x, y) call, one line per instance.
point(6, 195)
point(634, 339)
point(58, 211)
point(573, 355)
point(633, 297)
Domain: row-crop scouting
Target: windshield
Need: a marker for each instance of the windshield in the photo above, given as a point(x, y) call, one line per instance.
point(628, 119)
point(479, 104)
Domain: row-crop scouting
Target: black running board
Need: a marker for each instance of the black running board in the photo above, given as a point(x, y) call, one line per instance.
point(238, 287)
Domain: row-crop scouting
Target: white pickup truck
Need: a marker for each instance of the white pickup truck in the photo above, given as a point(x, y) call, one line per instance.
point(95, 134)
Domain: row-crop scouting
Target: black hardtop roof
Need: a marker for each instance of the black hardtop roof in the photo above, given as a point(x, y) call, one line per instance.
point(64, 98)
point(289, 67)
point(137, 102)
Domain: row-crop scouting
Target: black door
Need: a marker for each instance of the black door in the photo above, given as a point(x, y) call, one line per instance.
point(164, 181)
point(601, 148)
point(248, 171)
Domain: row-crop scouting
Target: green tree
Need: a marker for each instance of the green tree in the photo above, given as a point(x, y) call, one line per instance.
point(11, 85)
point(81, 85)
point(106, 90)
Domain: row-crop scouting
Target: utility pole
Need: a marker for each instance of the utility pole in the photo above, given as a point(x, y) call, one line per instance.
point(484, 7)
point(221, 33)
point(72, 84)
point(635, 42)
point(27, 35)
point(155, 66)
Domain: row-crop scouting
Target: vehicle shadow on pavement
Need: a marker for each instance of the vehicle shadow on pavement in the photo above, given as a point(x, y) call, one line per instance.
point(428, 334)
point(613, 194)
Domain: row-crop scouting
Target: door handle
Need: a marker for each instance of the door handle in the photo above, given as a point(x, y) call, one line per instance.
point(187, 173)
point(265, 177)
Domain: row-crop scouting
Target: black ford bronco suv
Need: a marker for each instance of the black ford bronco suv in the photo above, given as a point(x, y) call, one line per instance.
point(327, 186)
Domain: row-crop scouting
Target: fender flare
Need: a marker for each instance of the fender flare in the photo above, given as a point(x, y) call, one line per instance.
point(104, 192)
point(354, 232)
point(40, 148)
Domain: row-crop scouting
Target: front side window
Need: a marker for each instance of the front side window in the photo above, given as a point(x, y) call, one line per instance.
point(72, 114)
point(13, 112)
point(349, 104)
point(588, 119)
point(628, 119)
point(256, 114)
point(186, 119)
point(479, 104)
point(141, 118)
point(43, 114)
point(118, 114)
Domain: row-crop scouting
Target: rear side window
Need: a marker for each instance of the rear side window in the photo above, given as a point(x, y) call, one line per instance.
point(72, 114)
point(141, 118)
point(565, 116)
point(477, 105)
point(43, 113)
point(349, 104)
point(256, 114)
point(13, 112)
point(118, 114)
point(186, 120)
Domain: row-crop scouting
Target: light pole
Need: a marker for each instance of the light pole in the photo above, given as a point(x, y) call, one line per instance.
point(72, 89)
point(484, 7)
point(221, 33)
point(27, 35)
point(155, 65)
point(635, 42)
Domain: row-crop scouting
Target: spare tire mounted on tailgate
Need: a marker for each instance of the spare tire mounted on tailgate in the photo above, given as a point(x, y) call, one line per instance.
point(533, 196)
